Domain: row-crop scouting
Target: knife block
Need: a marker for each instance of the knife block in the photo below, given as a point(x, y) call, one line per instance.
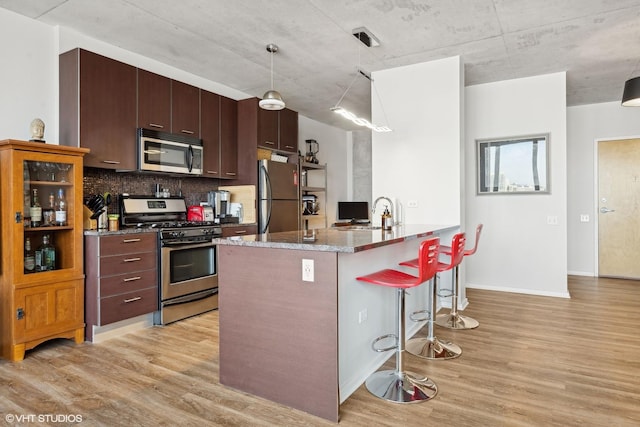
point(87, 222)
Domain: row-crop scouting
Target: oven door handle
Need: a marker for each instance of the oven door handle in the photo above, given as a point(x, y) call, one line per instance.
point(191, 298)
point(187, 245)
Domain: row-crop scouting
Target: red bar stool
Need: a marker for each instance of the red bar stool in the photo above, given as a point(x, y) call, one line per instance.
point(398, 385)
point(431, 347)
point(453, 319)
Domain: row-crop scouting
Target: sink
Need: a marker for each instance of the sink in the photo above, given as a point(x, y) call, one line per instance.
point(359, 227)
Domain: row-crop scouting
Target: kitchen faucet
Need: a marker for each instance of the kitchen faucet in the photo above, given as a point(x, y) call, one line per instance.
point(373, 209)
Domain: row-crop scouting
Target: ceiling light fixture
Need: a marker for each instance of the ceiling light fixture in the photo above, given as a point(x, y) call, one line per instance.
point(355, 119)
point(631, 94)
point(271, 100)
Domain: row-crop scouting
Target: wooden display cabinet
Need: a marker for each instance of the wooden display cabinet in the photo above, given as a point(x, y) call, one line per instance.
point(36, 306)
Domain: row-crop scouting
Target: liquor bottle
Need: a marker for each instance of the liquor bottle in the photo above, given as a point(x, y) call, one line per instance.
point(29, 257)
point(46, 259)
point(48, 213)
point(35, 210)
point(61, 209)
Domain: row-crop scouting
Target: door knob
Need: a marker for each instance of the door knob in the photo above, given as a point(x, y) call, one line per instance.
point(606, 210)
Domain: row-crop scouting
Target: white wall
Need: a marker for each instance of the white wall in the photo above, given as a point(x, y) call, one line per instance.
point(421, 159)
point(28, 77)
point(519, 251)
point(585, 125)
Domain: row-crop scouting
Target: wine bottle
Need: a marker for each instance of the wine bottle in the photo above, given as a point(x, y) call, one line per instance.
point(35, 210)
point(48, 213)
point(61, 209)
point(29, 257)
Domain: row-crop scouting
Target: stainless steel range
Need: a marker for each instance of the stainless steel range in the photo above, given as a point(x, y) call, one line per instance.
point(187, 257)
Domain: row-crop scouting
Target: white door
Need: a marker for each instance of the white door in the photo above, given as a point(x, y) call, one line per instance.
point(619, 208)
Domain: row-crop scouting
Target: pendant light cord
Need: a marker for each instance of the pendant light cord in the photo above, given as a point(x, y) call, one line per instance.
point(271, 51)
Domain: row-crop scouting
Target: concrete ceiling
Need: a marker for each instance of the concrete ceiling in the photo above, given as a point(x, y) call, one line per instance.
point(597, 42)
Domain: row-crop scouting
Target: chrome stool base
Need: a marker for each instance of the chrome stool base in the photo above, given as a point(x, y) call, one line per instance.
point(456, 321)
point(433, 349)
point(401, 387)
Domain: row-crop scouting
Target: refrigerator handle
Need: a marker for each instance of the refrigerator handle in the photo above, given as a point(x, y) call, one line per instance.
point(267, 181)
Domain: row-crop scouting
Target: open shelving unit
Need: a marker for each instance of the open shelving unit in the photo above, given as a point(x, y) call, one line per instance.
point(313, 181)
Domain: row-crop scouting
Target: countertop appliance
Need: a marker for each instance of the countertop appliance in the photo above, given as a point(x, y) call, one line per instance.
point(187, 265)
point(167, 152)
point(278, 197)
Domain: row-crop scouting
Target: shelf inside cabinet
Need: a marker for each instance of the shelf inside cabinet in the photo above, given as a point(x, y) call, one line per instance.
point(312, 189)
point(50, 183)
point(307, 165)
point(48, 228)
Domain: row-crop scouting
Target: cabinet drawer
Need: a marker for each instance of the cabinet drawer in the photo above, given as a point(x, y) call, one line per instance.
point(128, 263)
point(128, 243)
point(114, 285)
point(243, 230)
point(125, 306)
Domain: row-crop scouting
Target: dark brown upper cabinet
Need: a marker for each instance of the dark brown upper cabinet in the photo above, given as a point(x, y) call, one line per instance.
point(154, 101)
point(228, 137)
point(219, 121)
point(185, 109)
point(210, 133)
point(275, 130)
point(288, 130)
point(98, 108)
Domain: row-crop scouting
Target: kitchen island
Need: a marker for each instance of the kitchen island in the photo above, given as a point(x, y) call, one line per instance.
point(296, 327)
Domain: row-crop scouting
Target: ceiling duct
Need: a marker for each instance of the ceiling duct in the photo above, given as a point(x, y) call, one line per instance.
point(366, 37)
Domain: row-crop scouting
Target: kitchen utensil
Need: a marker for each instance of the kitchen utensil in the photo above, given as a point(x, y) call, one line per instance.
point(96, 214)
point(312, 149)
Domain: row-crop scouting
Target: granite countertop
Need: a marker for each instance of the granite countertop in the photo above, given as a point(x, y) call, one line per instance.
point(338, 239)
point(121, 231)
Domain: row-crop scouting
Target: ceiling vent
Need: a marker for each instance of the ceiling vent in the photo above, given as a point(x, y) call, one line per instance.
point(366, 37)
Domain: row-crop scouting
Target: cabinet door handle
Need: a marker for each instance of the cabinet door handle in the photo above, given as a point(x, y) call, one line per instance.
point(155, 125)
point(188, 132)
point(130, 240)
point(241, 231)
point(127, 301)
point(213, 172)
point(230, 173)
point(289, 146)
point(111, 162)
point(131, 279)
point(132, 259)
point(270, 143)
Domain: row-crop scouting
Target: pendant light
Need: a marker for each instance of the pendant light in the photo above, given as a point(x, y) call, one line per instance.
point(271, 100)
point(631, 94)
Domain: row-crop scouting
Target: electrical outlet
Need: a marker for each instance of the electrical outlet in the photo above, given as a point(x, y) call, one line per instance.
point(362, 316)
point(307, 270)
point(412, 204)
point(552, 220)
point(584, 218)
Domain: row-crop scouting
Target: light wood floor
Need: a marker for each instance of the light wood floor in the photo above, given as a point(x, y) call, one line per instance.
point(534, 361)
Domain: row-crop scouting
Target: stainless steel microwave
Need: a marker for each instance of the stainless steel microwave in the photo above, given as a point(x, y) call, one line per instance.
point(167, 152)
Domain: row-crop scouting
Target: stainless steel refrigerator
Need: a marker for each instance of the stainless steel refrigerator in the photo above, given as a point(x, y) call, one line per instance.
point(278, 197)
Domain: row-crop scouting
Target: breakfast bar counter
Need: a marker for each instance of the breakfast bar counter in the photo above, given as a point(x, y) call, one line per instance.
point(295, 325)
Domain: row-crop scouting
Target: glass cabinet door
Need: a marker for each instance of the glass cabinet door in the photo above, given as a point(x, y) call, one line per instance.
point(46, 212)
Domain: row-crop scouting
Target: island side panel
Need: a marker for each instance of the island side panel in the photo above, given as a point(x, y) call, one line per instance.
point(278, 333)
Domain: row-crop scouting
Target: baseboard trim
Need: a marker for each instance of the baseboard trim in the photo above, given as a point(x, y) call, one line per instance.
point(520, 291)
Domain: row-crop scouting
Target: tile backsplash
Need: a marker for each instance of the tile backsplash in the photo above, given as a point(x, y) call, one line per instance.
point(100, 181)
